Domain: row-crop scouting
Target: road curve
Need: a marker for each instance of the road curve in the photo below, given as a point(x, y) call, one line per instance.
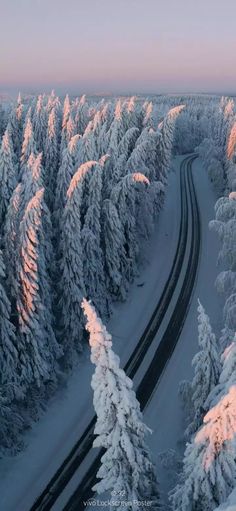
point(66, 471)
point(168, 342)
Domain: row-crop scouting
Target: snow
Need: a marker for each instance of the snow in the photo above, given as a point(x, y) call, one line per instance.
point(68, 413)
point(71, 409)
point(79, 175)
point(138, 177)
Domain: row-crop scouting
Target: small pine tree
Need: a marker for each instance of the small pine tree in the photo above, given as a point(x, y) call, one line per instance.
point(127, 143)
point(66, 112)
point(15, 126)
point(93, 262)
point(82, 118)
point(28, 145)
point(70, 129)
point(227, 375)
point(94, 199)
point(72, 287)
point(11, 239)
point(87, 150)
point(113, 242)
point(65, 119)
point(63, 179)
point(164, 149)
point(11, 424)
point(8, 176)
point(9, 364)
point(123, 196)
point(126, 467)
point(39, 124)
point(51, 153)
point(206, 367)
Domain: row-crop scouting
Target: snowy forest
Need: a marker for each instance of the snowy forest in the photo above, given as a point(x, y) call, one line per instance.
point(83, 182)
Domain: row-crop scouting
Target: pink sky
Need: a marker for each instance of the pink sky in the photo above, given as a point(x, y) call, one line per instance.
point(124, 45)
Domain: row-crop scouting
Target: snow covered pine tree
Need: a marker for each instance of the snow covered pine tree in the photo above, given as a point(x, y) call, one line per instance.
point(206, 368)
point(126, 470)
point(209, 462)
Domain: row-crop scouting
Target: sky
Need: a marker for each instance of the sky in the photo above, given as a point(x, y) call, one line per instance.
point(112, 46)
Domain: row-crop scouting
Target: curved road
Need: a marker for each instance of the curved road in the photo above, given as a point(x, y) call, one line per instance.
point(189, 233)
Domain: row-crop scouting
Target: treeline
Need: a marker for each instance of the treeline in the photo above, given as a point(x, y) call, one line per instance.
point(80, 187)
point(209, 467)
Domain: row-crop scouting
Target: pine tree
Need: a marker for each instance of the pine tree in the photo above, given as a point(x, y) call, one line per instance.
point(28, 145)
point(209, 462)
point(81, 115)
point(131, 114)
point(93, 267)
point(94, 276)
point(164, 150)
point(123, 196)
point(9, 365)
point(95, 127)
point(73, 147)
point(148, 114)
point(223, 123)
point(227, 375)
point(206, 368)
point(84, 174)
point(224, 225)
point(11, 424)
point(8, 176)
point(127, 143)
point(113, 242)
point(39, 125)
point(148, 202)
point(2, 121)
point(70, 129)
point(15, 124)
point(231, 143)
point(144, 155)
point(11, 238)
point(51, 153)
point(63, 179)
point(53, 103)
point(31, 180)
point(65, 119)
point(95, 198)
point(87, 150)
point(72, 287)
point(11, 144)
point(38, 349)
point(126, 468)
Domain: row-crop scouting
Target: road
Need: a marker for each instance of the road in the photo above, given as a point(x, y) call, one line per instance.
point(155, 343)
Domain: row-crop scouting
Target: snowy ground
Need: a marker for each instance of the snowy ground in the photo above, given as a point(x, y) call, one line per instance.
point(71, 409)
